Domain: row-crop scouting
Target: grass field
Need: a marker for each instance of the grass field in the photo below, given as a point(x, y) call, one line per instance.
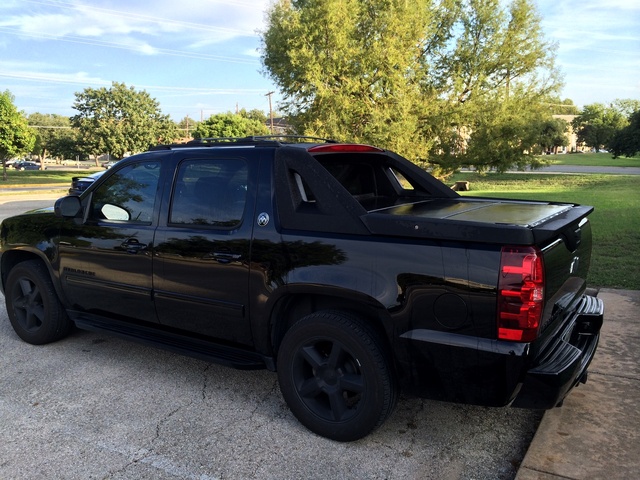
point(38, 177)
point(592, 160)
point(615, 221)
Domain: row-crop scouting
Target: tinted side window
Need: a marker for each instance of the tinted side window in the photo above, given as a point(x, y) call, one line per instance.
point(128, 195)
point(210, 192)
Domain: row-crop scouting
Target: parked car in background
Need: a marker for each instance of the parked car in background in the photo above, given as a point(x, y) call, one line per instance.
point(80, 184)
point(11, 163)
point(26, 165)
point(109, 164)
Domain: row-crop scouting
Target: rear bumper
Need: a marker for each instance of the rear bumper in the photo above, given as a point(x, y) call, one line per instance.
point(563, 363)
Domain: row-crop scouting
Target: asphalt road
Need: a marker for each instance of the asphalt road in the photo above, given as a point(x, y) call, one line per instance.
point(95, 406)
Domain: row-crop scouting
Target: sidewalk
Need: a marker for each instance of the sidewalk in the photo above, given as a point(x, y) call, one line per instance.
point(596, 433)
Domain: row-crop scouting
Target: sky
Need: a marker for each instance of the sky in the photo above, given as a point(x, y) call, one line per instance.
point(202, 57)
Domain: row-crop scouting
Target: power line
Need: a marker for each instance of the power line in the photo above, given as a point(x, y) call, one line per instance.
point(185, 90)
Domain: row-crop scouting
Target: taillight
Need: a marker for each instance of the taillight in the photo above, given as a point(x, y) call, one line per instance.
point(520, 294)
point(344, 147)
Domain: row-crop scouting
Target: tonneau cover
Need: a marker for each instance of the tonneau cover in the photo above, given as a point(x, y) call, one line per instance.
point(476, 219)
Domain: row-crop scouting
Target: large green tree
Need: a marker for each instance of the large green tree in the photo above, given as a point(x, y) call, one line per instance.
point(16, 138)
point(229, 125)
point(54, 136)
point(361, 79)
point(626, 106)
point(597, 124)
point(120, 120)
point(626, 141)
point(254, 114)
point(553, 135)
point(427, 78)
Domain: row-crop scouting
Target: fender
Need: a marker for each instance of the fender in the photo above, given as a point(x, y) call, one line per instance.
point(291, 302)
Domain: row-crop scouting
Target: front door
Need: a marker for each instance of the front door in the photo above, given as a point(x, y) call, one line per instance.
point(106, 261)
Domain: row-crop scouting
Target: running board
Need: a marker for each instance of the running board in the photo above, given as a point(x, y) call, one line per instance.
point(193, 347)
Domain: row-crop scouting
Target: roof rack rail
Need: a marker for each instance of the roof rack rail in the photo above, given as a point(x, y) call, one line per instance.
point(299, 138)
point(273, 140)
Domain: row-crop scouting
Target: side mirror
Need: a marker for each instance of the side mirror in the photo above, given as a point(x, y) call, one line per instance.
point(68, 206)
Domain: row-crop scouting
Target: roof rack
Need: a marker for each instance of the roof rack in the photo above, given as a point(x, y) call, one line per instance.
point(266, 140)
point(294, 138)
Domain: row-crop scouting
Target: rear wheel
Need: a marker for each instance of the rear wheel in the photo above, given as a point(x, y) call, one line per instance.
point(335, 375)
point(33, 306)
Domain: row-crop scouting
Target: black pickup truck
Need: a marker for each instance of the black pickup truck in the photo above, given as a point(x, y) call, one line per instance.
point(346, 268)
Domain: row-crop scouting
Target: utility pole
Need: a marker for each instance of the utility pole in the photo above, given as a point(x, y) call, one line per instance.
point(270, 110)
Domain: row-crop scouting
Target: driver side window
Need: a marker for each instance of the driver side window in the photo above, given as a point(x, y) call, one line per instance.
point(128, 195)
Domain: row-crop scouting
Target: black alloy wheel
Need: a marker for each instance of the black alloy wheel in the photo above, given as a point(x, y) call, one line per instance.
point(335, 375)
point(33, 306)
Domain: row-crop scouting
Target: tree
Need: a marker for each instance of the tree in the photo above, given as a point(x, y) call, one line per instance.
point(553, 134)
point(228, 124)
point(254, 114)
point(557, 106)
point(54, 136)
point(422, 77)
point(597, 124)
point(16, 138)
point(120, 120)
point(186, 127)
point(360, 80)
point(627, 140)
point(626, 106)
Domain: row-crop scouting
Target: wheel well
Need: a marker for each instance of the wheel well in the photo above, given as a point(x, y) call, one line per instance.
point(291, 309)
point(12, 258)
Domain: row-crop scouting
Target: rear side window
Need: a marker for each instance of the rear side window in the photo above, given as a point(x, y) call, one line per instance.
point(210, 193)
point(367, 176)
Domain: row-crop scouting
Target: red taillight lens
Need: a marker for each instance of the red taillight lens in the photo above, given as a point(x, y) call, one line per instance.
point(520, 294)
point(344, 147)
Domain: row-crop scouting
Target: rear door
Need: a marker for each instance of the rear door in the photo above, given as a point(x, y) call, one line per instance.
point(203, 254)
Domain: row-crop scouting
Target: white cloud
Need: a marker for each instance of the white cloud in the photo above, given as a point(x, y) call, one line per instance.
point(193, 18)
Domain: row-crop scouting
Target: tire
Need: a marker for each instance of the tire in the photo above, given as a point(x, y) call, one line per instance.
point(34, 309)
point(334, 373)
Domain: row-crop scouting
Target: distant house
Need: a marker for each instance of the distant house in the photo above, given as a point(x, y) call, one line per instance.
point(571, 136)
point(280, 126)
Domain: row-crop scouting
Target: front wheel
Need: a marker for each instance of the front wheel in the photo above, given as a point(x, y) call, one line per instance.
point(334, 373)
point(34, 310)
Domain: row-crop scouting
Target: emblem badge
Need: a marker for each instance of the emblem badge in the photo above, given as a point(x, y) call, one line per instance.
point(263, 219)
point(574, 265)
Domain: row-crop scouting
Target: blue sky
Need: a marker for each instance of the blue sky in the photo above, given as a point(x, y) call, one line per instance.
point(200, 57)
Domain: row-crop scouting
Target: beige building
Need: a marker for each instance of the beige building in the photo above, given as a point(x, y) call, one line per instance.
point(573, 138)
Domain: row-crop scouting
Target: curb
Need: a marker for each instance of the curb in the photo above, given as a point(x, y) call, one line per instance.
point(594, 435)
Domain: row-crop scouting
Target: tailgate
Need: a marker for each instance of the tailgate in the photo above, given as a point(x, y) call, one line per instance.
point(566, 263)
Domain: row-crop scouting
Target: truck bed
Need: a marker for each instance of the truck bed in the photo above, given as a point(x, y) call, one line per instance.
point(487, 220)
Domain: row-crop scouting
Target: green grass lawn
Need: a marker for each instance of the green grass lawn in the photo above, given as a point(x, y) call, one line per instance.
point(615, 221)
point(40, 177)
point(592, 160)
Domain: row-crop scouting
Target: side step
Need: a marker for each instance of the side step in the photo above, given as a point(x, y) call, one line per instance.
point(185, 345)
